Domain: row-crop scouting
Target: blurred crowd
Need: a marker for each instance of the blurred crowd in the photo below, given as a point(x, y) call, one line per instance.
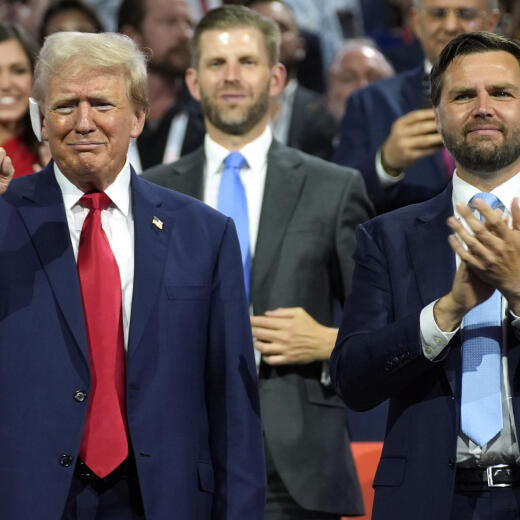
point(330, 50)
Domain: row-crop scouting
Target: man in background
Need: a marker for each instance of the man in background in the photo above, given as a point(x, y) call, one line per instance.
point(296, 216)
point(298, 116)
point(174, 125)
point(357, 64)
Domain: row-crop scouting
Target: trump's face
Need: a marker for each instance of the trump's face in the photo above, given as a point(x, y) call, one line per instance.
point(88, 121)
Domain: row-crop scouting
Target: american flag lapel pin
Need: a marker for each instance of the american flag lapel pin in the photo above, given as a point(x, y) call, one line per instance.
point(158, 223)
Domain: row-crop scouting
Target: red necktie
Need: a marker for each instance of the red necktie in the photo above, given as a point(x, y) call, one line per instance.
point(104, 444)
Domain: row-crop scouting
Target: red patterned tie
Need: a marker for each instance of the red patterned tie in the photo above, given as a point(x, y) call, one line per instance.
point(104, 444)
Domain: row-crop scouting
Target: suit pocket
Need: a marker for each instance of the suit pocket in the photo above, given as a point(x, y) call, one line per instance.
point(390, 471)
point(187, 292)
point(322, 395)
point(206, 478)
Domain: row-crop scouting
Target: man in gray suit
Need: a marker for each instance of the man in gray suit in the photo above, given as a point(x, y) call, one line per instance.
point(297, 240)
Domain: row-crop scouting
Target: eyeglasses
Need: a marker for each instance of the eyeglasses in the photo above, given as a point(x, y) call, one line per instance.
point(464, 14)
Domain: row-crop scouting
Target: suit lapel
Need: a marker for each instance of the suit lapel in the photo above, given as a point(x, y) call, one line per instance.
point(44, 216)
point(283, 185)
point(433, 261)
point(188, 175)
point(150, 247)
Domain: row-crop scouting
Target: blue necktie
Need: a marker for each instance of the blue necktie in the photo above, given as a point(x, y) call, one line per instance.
point(232, 201)
point(481, 401)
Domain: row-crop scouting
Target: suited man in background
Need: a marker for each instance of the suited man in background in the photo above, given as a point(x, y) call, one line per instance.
point(297, 235)
point(388, 132)
point(127, 377)
point(432, 322)
point(174, 124)
point(299, 117)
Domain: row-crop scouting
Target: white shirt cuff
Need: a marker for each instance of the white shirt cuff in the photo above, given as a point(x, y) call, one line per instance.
point(433, 339)
point(385, 179)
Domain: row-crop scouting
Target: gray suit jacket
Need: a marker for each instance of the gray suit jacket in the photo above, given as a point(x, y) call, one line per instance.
point(303, 257)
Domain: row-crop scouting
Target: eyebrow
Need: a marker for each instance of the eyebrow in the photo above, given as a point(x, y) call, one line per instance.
point(489, 88)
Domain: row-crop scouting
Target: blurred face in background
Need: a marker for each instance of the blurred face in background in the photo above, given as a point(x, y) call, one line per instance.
point(69, 20)
point(353, 69)
point(167, 30)
point(15, 82)
point(436, 22)
point(292, 45)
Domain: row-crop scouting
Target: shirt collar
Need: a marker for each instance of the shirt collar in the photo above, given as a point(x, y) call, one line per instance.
point(255, 152)
point(506, 192)
point(118, 191)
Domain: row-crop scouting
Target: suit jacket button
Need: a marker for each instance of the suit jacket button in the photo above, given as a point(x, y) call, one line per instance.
point(80, 396)
point(66, 460)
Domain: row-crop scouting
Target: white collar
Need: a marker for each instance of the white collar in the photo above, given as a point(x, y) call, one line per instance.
point(118, 191)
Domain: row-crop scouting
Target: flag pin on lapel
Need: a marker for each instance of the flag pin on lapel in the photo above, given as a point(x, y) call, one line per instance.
point(157, 222)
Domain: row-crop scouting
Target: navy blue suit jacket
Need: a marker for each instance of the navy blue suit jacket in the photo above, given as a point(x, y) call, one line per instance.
point(192, 403)
point(370, 114)
point(404, 262)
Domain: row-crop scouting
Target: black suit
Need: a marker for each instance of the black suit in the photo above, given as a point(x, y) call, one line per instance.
point(302, 258)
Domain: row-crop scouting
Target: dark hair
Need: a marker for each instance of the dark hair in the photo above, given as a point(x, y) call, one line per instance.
point(238, 17)
point(132, 13)
point(12, 31)
point(462, 45)
point(59, 6)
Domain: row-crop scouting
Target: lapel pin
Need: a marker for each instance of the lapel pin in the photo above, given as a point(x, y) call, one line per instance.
point(158, 223)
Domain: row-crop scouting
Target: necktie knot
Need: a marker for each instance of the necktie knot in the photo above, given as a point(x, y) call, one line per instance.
point(96, 200)
point(234, 161)
point(491, 200)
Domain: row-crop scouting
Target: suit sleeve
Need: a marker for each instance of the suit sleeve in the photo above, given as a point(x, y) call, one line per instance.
point(232, 393)
point(376, 355)
point(358, 145)
point(355, 208)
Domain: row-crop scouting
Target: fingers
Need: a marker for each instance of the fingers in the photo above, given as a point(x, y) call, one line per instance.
point(283, 312)
point(412, 137)
point(6, 167)
point(272, 353)
point(268, 322)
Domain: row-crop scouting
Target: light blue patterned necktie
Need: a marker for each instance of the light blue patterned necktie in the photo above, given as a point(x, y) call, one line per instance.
point(232, 201)
point(481, 400)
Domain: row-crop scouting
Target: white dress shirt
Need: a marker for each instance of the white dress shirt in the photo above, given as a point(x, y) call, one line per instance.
point(118, 223)
point(504, 448)
point(252, 176)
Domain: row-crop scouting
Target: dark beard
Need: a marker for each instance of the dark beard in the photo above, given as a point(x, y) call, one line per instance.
point(475, 159)
point(236, 127)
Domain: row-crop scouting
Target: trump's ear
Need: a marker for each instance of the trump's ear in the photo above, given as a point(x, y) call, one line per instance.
point(34, 114)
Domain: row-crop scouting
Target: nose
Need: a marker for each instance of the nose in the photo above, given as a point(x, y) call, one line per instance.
point(452, 23)
point(5, 80)
point(483, 106)
point(231, 73)
point(84, 120)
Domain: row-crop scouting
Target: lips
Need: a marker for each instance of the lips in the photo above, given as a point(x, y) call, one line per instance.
point(488, 129)
point(85, 146)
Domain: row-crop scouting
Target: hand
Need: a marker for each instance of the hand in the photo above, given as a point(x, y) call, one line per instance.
point(412, 137)
point(6, 171)
point(290, 335)
point(467, 291)
point(492, 252)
